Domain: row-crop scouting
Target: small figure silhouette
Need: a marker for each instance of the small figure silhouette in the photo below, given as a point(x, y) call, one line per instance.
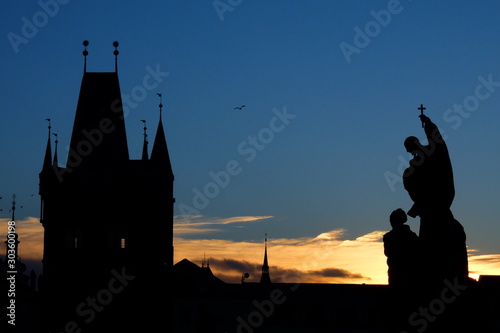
point(401, 247)
point(239, 107)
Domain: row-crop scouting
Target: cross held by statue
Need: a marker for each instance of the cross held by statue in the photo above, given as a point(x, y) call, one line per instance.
point(422, 108)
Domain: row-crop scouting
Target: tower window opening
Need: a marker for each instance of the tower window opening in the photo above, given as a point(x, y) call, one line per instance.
point(122, 243)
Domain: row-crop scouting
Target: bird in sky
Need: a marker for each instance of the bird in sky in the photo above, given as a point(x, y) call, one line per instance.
point(239, 107)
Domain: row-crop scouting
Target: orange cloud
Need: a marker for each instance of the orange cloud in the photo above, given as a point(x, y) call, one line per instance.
point(484, 264)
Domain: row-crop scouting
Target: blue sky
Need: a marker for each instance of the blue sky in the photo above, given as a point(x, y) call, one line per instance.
point(324, 168)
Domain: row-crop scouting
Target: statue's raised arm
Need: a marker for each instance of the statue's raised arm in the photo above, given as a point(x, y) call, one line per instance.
point(429, 178)
point(434, 137)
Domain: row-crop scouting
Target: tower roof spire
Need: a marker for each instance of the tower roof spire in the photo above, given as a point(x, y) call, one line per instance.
point(159, 153)
point(55, 163)
point(98, 140)
point(47, 161)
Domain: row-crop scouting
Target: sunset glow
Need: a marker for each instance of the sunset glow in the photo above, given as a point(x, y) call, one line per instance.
point(330, 257)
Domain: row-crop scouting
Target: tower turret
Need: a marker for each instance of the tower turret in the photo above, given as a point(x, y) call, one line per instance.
point(159, 153)
point(47, 160)
point(55, 163)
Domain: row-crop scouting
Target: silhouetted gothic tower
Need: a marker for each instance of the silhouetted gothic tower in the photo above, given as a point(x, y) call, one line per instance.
point(265, 278)
point(103, 214)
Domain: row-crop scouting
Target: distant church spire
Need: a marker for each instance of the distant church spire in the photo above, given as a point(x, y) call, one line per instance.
point(145, 143)
point(47, 161)
point(265, 278)
point(16, 239)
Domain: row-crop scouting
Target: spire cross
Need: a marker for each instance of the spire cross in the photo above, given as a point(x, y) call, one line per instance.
point(422, 108)
point(116, 52)
point(160, 105)
point(85, 54)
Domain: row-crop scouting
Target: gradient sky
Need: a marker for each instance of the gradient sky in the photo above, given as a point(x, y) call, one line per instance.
point(349, 77)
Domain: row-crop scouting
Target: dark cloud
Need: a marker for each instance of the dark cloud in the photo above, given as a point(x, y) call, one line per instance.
point(235, 265)
point(230, 270)
point(279, 274)
point(337, 273)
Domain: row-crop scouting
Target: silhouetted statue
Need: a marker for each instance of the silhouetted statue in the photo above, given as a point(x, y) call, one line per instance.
point(401, 246)
point(442, 240)
point(429, 179)
point(429, 182)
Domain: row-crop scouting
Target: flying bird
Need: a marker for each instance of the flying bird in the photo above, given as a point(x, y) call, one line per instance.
point(239, 107)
